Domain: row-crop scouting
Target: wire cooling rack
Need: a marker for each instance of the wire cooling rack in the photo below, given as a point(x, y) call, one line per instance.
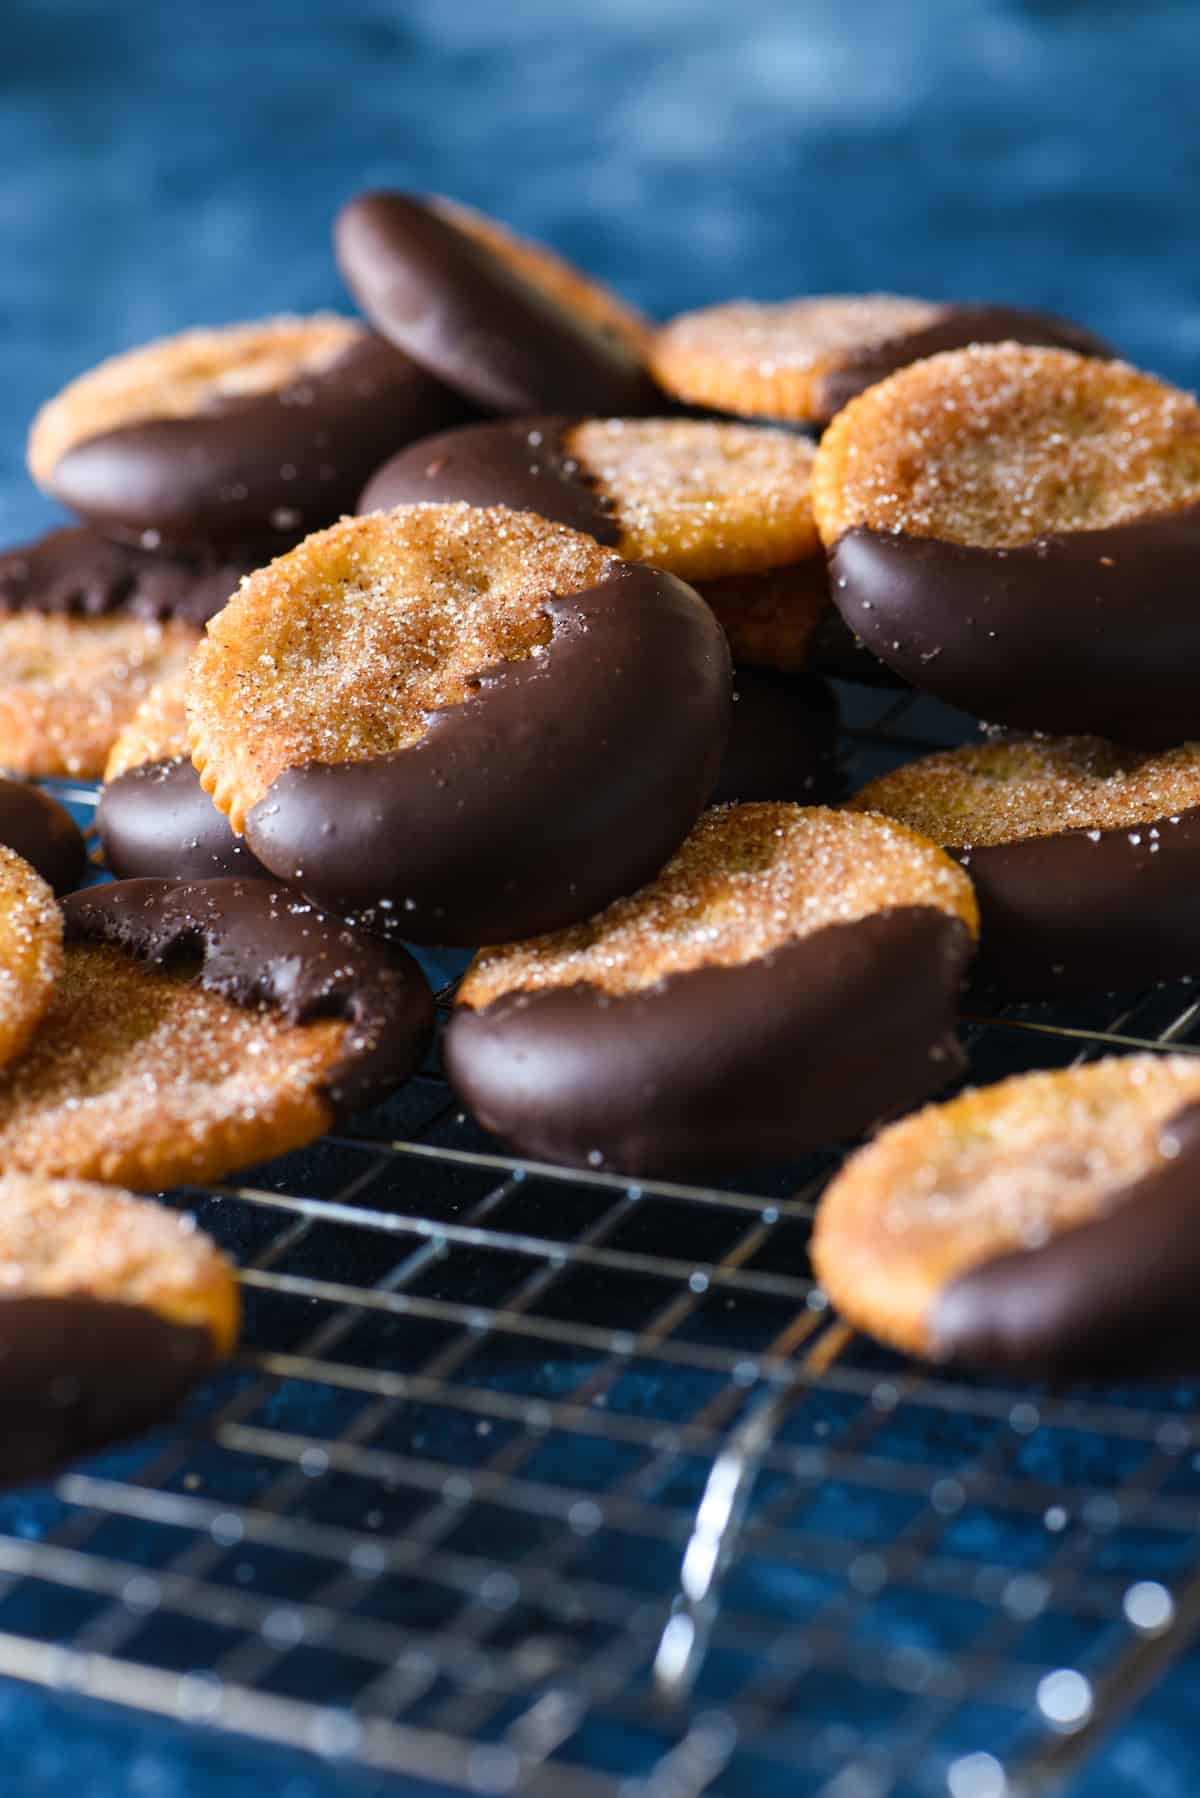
point(433, 1520)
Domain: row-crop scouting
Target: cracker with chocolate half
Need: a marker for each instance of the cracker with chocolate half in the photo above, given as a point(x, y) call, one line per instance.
point(543, 267)
point(1018, 531)
point(198, 1027)
point(460, 724)
point(111, 1307)
point(31, 952)
point(43, 833)
point(1043, 1225)
point(476, 319)
point(725, 506)
point(789, 978)
point(154, 817)
point(803, 360)
point(245, 434)
point(1085, 857)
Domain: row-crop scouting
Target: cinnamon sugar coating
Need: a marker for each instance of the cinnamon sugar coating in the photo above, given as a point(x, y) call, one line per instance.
point(73, 1238)
point(769, 360)
point(999, 444)
point(543, 267)
point(340, 650)
point(999, 1168)
point(748, 880)
point(702, 500)
point(141, 1077)
point(69, 685)
point(1012, 788)
point(157, 732)
point(31, 951)
point(177, 377)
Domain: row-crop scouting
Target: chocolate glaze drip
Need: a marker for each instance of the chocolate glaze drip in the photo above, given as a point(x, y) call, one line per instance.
point(782, 741)
point(157, 819)
point(564, 781)
point(723, 1067)
point(219, 476)
point(44, 832)
point(955, 328)
point(1081, 911)
point(459, 310)
point(1113, 1296)
point(78, 1372)
point(520, 463)
point(1086, 631)
point(79, 572)
point(264, 945)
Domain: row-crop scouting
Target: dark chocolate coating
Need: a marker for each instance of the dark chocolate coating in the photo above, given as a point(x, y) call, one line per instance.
point(459, 310)
point(78, 572)
point(262, 944)
point(217, 477)
point(1116, 1296)
point(722, 1068)
point(1080, 911)
point(519, 463)
point(77, 1373)
point(836, 652)
point(782, 740)
point(157, 819)
point(564, 781)
point(44, 832)
point(1084, 631)
point(958, 326)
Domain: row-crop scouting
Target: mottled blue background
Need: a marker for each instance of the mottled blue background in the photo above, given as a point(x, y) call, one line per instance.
point(173, 164)
point(167, 165)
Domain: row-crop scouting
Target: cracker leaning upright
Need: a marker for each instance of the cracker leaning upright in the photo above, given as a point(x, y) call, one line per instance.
point(460, 724)
point(1018, 531)
point(479, 318)
point(790, 977)
point(543, 267)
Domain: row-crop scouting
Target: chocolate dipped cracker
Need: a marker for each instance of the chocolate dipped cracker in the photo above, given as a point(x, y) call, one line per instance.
point(790, 977)
point(803, 360)
point(249, 435)
point(1018, 531)
point(475, 319)
point(111, 1307)
point(201, 1026)
point(1085, 857)
point(457, 724)
point(1044, 1225)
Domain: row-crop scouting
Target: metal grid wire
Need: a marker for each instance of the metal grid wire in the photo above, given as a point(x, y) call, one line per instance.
point(433, 1520)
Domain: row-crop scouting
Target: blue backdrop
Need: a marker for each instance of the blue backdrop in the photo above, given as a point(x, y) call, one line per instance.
point(168, 164)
